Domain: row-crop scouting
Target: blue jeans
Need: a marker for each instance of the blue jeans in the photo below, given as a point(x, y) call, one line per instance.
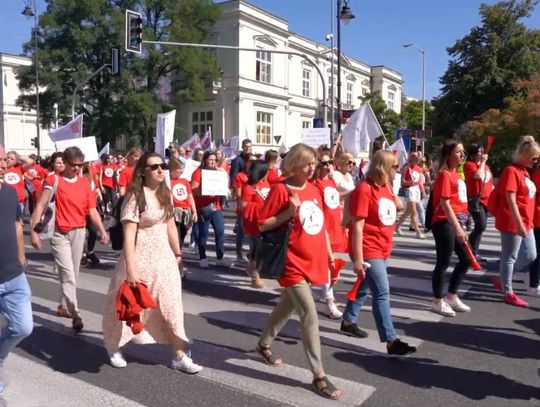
point(376, 281)
point(218, 224)
point(516, 253)
point(16, 308)
point(421, 212)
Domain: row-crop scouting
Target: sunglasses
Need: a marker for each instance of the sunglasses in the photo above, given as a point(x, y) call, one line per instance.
point(75, 165)
point(325, 163)
point(395, 166)
point(351, 162)
point(161, 166)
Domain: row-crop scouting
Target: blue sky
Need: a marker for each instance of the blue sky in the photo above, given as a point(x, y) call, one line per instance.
point(375, 36)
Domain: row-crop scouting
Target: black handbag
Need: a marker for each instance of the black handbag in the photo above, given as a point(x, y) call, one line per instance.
point(474, 204)
point(271, 250)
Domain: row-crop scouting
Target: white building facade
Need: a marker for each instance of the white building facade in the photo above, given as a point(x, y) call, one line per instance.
point(18, 127)
point(269, 97)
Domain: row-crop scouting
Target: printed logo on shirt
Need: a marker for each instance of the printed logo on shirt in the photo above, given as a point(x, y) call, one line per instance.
point(32, 172)
point(531, 187)
point(179, 192)
point(331, 197)
point(415, 176)
point(462, 190)
point(12, 178)
point(264, 193)
point(387, 211)
point(311, 217)
point(109, 172)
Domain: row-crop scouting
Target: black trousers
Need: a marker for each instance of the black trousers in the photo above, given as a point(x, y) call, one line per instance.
point(480, 224)
point(446, 243)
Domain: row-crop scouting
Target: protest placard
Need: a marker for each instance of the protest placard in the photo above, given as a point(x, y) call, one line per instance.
point(86, 144)
point(316, 137)
point(189, 168)
point(214, 183)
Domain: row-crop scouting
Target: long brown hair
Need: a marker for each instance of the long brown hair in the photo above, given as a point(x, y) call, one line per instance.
point(136, 188)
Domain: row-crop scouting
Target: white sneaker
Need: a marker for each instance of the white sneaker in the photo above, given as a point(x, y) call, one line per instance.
point(183, 272)
point(399, 232)
point(333, 312)
point(533, 291)
point(420, 235)
point(203, 263)
point(458, 305)
point(443, 309)
point(186, 365)
point(223, 263)
point(117, 360)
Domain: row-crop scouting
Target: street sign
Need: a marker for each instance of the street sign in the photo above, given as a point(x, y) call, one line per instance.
point(134, 29)
point(277, 139)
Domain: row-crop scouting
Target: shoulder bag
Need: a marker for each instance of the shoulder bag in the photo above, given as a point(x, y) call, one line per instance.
point(46, 225)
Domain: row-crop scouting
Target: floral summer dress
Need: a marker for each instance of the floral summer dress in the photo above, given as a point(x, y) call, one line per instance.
point(157, 267)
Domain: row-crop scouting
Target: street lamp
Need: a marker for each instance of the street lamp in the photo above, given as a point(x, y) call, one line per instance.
point(344, 14)
point(30, 10)
point(409, 45)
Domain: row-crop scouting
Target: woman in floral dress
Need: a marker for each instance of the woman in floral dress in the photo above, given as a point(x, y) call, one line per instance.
point(151, 255)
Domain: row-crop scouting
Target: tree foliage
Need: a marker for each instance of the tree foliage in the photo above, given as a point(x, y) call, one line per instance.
point(75, 37)
point(486, 64)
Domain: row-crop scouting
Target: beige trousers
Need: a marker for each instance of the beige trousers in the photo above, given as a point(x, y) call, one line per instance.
point(297, 298)
point(67, 250)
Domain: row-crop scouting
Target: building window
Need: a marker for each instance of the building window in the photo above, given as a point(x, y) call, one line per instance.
point(264, 66)
point(391, 98)
point(201, 121)
point(306, 124)
point(264, 128)
point(349, 94)
point(306, 82)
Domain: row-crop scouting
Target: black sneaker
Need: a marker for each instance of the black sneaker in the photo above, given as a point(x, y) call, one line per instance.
point(93, 259)
point(353, 330)
point(400, 348)
point(77, 324)
point(84, 260)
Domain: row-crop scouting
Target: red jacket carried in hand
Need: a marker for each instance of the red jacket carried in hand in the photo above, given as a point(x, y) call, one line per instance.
point(130, 302)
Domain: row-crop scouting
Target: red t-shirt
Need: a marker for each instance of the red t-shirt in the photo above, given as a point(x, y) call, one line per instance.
point(254, 200)
point(377, 206)
point(307, 254)
point(224, 166)
point(74, 199)
point(515, 178)
point(273, 176)
point(181, 193)
point(107, 175)
point(14, 177)
point(202, 201)
point(37, 174)
point(414, 175)
point(474, 186)
point(333, 214)
point(536, 180)
point(126, 176)
point(239, 181)
point(450, 186)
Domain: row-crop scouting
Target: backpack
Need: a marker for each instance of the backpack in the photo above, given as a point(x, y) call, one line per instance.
point(429, 212)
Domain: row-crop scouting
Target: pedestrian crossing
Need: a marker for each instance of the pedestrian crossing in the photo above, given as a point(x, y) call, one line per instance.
point(220, 300)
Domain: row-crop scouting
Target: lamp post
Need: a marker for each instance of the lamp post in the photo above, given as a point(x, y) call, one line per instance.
point(30, 10)
point(343, 13)
point(409, 45)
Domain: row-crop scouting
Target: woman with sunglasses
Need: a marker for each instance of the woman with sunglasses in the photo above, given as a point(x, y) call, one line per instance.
point(515, 202)
point(333, 215)
point(151, 255)
point(343, 175)
point(373, 207)
point(208, 212)
point(74, 202)
point(479, 182)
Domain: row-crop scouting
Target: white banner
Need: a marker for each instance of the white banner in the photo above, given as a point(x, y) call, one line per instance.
point(192, 143)
point(164, 131)
point(87, 145)
point(316, 137)
point(189, 168)
point(361, 129)
point(214, 183)
point(72, 130)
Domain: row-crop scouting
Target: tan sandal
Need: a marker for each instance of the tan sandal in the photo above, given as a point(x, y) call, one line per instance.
point(268, 356)
point(63, 312)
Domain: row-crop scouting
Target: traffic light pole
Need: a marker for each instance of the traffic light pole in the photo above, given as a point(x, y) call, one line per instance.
point(271, 51)
point(78, 87)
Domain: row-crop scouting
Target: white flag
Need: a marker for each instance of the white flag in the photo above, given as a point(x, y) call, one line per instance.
point(231, 146)
point(164, 131)
point(192, 143)
point(104, 150)
point(74, 129)
point(398, 148)
point(361, 129)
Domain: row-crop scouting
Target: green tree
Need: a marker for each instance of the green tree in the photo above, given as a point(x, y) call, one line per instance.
point(411, 114)
point(486, 63)
point(75, 37)
point(389, 120)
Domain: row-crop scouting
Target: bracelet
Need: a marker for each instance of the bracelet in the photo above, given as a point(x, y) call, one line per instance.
point(178, 255)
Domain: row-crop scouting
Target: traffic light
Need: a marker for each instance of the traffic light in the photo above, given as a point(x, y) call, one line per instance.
point(35, 142)
point(115, 61)
point(134, 29)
